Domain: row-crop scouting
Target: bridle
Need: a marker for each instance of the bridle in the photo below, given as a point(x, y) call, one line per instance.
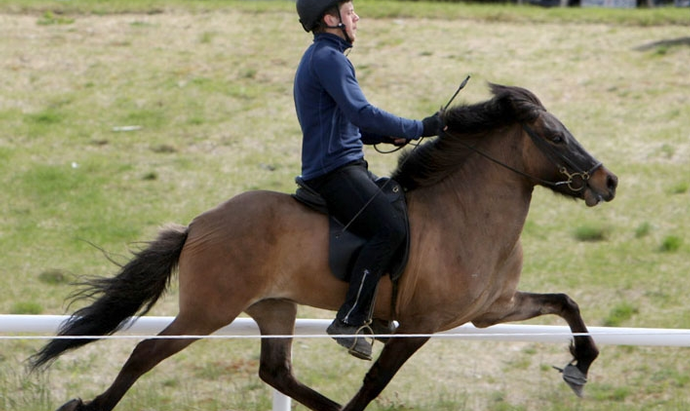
point(576, 181)
point(555, 156)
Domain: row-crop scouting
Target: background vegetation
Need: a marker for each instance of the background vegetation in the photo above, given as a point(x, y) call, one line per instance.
point(119, 116)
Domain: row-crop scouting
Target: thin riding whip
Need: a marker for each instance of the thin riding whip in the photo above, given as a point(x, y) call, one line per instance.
point(361, 210)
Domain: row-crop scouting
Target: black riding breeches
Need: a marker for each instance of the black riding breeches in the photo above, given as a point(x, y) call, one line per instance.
point(357, 202)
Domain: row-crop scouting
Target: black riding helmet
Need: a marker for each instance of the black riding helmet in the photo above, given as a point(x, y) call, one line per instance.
point(311, 11)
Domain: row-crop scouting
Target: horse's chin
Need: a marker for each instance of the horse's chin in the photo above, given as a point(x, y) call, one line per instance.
point(592, 198)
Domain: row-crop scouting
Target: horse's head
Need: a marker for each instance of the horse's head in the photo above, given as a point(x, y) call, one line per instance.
point(550, 156)
point(565, 166)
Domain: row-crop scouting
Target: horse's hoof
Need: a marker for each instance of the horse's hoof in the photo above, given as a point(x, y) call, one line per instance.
point(72, 405)
point(575, 379)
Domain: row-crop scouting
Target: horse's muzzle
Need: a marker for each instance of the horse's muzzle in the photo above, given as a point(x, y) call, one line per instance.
point(601, 186)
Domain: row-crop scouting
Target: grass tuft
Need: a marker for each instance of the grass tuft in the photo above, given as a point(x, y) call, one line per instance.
point(49, 18)
point(671, 244)
point(591, 233)
point(45, 117)
point(53, 277)
point(680, 188)
point(643, 230)
point(620, 313)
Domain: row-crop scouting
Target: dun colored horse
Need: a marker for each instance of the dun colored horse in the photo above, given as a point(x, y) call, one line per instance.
point(262, 253)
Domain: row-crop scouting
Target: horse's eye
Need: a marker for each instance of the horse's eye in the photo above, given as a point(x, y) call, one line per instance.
point(557, 139)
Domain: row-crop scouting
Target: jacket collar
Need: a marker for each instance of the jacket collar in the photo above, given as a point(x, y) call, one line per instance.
point(340, 43)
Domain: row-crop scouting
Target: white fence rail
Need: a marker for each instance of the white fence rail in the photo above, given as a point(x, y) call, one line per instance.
point(45, 327)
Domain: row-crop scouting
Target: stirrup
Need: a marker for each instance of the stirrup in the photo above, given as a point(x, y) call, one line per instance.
point(362, 346)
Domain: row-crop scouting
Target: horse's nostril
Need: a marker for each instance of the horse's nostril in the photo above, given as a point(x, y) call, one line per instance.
point(612, 183)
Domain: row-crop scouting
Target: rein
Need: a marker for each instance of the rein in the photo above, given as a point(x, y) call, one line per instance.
point(555, 157)
point(443, 109)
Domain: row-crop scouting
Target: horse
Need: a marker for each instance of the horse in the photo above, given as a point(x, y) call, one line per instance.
point(262, 253)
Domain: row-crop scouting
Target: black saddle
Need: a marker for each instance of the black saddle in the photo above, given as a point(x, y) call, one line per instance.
point(344, 245)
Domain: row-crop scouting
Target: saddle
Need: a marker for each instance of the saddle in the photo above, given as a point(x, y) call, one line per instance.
point(344, 245)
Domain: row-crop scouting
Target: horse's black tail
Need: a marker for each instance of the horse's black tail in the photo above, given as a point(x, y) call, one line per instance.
point(130, 293)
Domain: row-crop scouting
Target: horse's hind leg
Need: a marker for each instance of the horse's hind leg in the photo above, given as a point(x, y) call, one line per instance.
point(145, 356)
point(277, 317)
point(524, 306)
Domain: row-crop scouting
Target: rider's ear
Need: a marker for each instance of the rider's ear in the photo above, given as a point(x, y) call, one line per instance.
point(330, 20)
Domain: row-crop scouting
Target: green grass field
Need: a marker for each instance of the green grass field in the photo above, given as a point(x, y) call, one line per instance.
point(118, 117)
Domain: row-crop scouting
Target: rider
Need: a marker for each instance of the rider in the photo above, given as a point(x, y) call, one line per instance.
point(336, 119)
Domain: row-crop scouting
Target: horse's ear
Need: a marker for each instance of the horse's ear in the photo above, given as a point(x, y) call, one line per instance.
point(504, 101)
point(498, 89)
point(522, 103)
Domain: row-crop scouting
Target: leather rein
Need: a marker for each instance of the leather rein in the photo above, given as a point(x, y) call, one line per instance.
point(576, 181)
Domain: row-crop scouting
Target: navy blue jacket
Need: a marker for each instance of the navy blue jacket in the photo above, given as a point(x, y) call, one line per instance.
point(334, 115)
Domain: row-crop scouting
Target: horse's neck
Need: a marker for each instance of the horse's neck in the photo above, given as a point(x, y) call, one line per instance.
point(482, 203)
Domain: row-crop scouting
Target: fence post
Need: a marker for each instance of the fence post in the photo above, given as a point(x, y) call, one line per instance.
point(281, 402)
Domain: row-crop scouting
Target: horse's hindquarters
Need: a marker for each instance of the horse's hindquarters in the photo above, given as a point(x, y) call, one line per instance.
point(260, 245)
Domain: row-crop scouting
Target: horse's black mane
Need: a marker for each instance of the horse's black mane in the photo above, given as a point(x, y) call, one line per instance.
point(433, 161)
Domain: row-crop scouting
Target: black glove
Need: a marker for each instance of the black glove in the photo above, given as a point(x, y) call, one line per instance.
point(432, 125)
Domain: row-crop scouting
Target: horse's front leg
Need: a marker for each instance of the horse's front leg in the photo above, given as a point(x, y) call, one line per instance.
point(393, 356)
point(524, 306)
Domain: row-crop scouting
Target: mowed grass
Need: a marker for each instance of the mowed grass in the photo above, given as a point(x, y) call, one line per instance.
point(118, 117)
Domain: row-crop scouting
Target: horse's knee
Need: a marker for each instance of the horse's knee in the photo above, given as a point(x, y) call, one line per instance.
point(275, 367)
point(567, 304)
point(275, 374)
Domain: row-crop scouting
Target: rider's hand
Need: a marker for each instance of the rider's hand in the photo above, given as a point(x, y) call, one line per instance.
point(432, 125)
